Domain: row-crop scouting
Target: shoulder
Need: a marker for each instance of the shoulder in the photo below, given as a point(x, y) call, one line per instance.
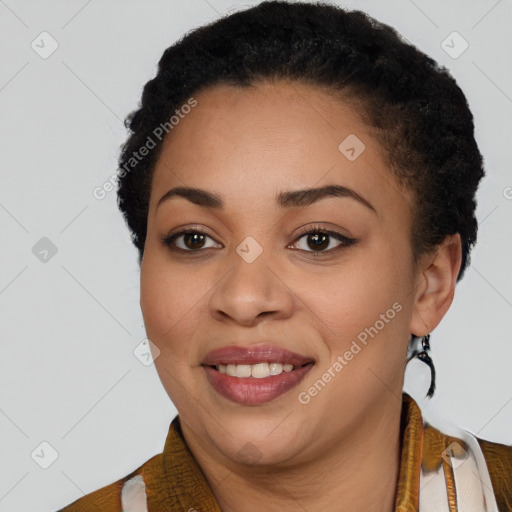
point(108, 498)
point(491, 462)
point(499, 461)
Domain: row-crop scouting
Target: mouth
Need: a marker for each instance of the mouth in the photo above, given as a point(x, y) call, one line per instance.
point(256, 374)
point(256, 371)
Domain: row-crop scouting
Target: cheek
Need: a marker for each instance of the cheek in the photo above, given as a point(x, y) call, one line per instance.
point(165, 298)
point(156, 294)
point(364, 308)
point(171, 299)
point(357, 296)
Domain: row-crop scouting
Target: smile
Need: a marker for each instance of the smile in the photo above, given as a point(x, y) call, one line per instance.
point(258, 370)
point(255, 374)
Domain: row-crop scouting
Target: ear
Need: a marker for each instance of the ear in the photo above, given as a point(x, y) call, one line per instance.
point(435, 285)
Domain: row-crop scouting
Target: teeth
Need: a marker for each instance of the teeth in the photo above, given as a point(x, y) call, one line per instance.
point(275, 368)
point(258, 370)
point(243, 370)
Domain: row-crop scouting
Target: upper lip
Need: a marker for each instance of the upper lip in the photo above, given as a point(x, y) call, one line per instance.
point(261, 353)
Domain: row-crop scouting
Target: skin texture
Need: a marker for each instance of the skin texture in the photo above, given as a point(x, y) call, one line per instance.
point(340, 450)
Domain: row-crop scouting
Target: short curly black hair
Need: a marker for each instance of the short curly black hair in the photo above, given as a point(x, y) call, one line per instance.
point(413, 105)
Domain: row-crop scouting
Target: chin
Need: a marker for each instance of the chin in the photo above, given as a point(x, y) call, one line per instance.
point(263, 452)
point(257, 437)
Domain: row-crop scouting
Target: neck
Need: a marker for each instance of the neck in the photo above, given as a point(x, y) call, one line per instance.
point(359, 472)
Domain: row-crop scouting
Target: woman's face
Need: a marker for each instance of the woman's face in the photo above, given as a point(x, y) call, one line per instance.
point(255, 281)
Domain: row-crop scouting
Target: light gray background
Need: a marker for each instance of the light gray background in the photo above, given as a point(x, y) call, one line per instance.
point(68, 374)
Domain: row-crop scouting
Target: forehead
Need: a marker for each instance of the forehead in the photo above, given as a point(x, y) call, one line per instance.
point(249, 143)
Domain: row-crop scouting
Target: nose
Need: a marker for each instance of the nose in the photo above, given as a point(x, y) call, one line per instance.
point(250, 291)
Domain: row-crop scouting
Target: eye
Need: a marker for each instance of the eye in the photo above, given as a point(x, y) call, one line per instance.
point(319, 240)
point(193, 240)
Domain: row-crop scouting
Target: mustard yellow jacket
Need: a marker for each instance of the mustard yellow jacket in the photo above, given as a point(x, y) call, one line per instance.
point(437, 473)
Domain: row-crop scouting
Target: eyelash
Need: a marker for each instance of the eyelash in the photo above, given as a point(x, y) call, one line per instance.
point(346, 241)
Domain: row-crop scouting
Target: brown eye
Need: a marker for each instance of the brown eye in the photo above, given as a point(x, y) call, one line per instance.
point(194, 240)
point(319, 240)
point(187, 241)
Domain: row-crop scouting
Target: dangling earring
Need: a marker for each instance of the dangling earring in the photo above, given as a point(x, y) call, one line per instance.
point(423, 356)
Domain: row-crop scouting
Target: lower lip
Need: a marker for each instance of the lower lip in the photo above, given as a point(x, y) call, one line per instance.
point(253, 391)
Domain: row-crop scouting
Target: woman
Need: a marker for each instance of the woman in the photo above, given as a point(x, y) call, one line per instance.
point(300, 184)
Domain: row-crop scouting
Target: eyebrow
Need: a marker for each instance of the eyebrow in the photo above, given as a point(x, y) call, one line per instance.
point(289, 199)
